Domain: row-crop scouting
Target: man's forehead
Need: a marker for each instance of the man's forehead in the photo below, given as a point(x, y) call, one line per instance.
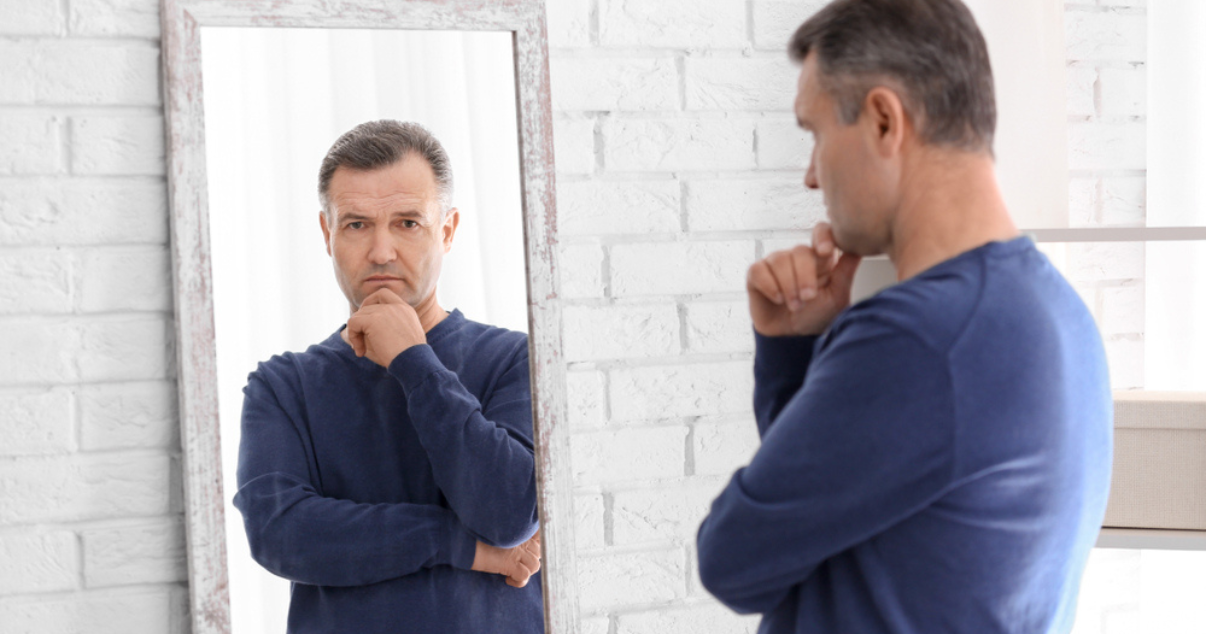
point(406, 184)
point(808, 89)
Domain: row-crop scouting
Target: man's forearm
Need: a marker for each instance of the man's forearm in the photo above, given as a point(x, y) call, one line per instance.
point(302, 536)
point(482, 462)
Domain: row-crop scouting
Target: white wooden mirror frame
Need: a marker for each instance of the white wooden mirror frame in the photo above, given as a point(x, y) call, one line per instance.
point(192, 281)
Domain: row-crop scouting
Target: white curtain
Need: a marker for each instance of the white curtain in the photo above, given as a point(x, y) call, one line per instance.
point(1175, 339)
point(275, 100)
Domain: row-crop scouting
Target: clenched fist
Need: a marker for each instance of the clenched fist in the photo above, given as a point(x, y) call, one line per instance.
point(384, 326)
point(516, 564)
point(800, 291)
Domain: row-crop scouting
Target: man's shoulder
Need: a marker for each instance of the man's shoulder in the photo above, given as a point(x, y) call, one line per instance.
point(479, 339)
point(934, 308)
point(288, 368)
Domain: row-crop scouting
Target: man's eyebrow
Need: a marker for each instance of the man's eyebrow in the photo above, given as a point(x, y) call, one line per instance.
point(359, 217)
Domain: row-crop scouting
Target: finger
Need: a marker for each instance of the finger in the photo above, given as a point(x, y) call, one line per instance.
point(528, 562)
point(782, 266)
point(382, 296)
point(516, 583)
point(844, 270)
point(822, 239)
point(762, 280)
point(804, 270)
point(355, 331)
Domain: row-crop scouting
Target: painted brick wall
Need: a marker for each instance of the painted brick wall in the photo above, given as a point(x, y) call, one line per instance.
point(678, 165)
point(91, 537)
point(1107, 135)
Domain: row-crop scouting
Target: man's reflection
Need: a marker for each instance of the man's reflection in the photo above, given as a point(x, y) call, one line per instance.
point(388, 471)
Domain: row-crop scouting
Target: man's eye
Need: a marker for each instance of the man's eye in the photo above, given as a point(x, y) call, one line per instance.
point(355, 225)
point(409, 224)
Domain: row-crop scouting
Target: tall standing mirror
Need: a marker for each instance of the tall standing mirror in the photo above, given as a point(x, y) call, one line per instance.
point(257, 92)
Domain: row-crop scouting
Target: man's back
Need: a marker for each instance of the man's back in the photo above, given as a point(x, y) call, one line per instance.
point(367, 486)
point(943, 468)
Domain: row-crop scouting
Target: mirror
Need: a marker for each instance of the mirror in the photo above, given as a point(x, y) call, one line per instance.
point(257, 92)
point(275, 100)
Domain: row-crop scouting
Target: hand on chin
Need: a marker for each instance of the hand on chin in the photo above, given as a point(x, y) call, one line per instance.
point(383, 327)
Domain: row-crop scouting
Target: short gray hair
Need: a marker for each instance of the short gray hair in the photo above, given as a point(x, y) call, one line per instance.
point(377, 144)
point(932, 49)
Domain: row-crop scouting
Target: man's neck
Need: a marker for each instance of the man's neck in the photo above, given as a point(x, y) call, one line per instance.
point(430, 313)
point(952, 205)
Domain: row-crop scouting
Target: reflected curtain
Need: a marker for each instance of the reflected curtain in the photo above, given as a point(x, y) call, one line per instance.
point(275, 100)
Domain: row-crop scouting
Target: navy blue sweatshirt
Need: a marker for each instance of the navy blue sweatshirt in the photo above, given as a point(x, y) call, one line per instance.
point(937, 461)
point(368, 488)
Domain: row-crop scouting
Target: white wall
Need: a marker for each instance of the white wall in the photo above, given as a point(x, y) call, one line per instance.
point(674, 139)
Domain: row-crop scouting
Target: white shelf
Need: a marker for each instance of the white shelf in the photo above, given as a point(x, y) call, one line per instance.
point(1145, 538)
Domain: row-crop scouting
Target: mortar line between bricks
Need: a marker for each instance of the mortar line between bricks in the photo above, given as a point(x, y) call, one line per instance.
point(664, 546)
point(609, 530)
point(77, 425)
point(664, 361)
point(595, 23)
point(83, 319)
point(657, 300)
point(71, 249)
point(135, 521)
point(700, 482)
point(67, 145)
point(628, 52)
point(606, 394)
point(127, 452)
point(767, 174)
point(115, 591)
point(65, 7)
point(749, 23)
point(80, 110)
point(91, 179)
point(25, 391)
point(81, 561)
point(140, 41)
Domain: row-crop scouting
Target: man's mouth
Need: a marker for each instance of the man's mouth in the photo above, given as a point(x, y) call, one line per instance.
point(382, 278)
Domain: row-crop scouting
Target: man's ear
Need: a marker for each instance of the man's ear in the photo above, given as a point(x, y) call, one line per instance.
point(326, 231)
point(450, 224)
point(885, 115)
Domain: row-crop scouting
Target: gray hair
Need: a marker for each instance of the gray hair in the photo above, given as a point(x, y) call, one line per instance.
point(377, 144)
point(931, 49)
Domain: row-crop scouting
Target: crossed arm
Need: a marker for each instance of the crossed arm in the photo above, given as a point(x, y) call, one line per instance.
point(298, 533)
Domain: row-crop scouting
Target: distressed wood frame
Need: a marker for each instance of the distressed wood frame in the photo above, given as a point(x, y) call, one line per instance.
point(190, 240)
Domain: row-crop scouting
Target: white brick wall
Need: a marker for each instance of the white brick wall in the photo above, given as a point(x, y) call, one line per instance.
point(678, 164)
point(1107, 136)
point(91, 529)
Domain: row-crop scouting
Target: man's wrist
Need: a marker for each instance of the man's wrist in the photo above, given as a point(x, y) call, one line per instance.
point(414, 365)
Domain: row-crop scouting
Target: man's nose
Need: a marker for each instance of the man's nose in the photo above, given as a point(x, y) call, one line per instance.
point(810, 177)
point(382, 250)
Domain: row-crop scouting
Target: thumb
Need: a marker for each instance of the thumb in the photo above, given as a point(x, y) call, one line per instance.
point(843, 272)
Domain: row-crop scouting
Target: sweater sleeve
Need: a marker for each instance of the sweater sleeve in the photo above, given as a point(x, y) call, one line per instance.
point(867, 442)
point(297, 533)
point(780, 364)
point(481, 454)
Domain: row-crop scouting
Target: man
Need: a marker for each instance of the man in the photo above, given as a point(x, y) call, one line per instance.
point(937, 457)
point(388, 470)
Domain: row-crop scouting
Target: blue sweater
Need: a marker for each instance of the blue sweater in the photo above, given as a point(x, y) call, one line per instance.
point(937, 461)
point(368, 488)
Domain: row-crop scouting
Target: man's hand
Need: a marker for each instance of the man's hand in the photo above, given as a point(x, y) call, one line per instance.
point(516, 564)
point(800, 291)
point(384, 326)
